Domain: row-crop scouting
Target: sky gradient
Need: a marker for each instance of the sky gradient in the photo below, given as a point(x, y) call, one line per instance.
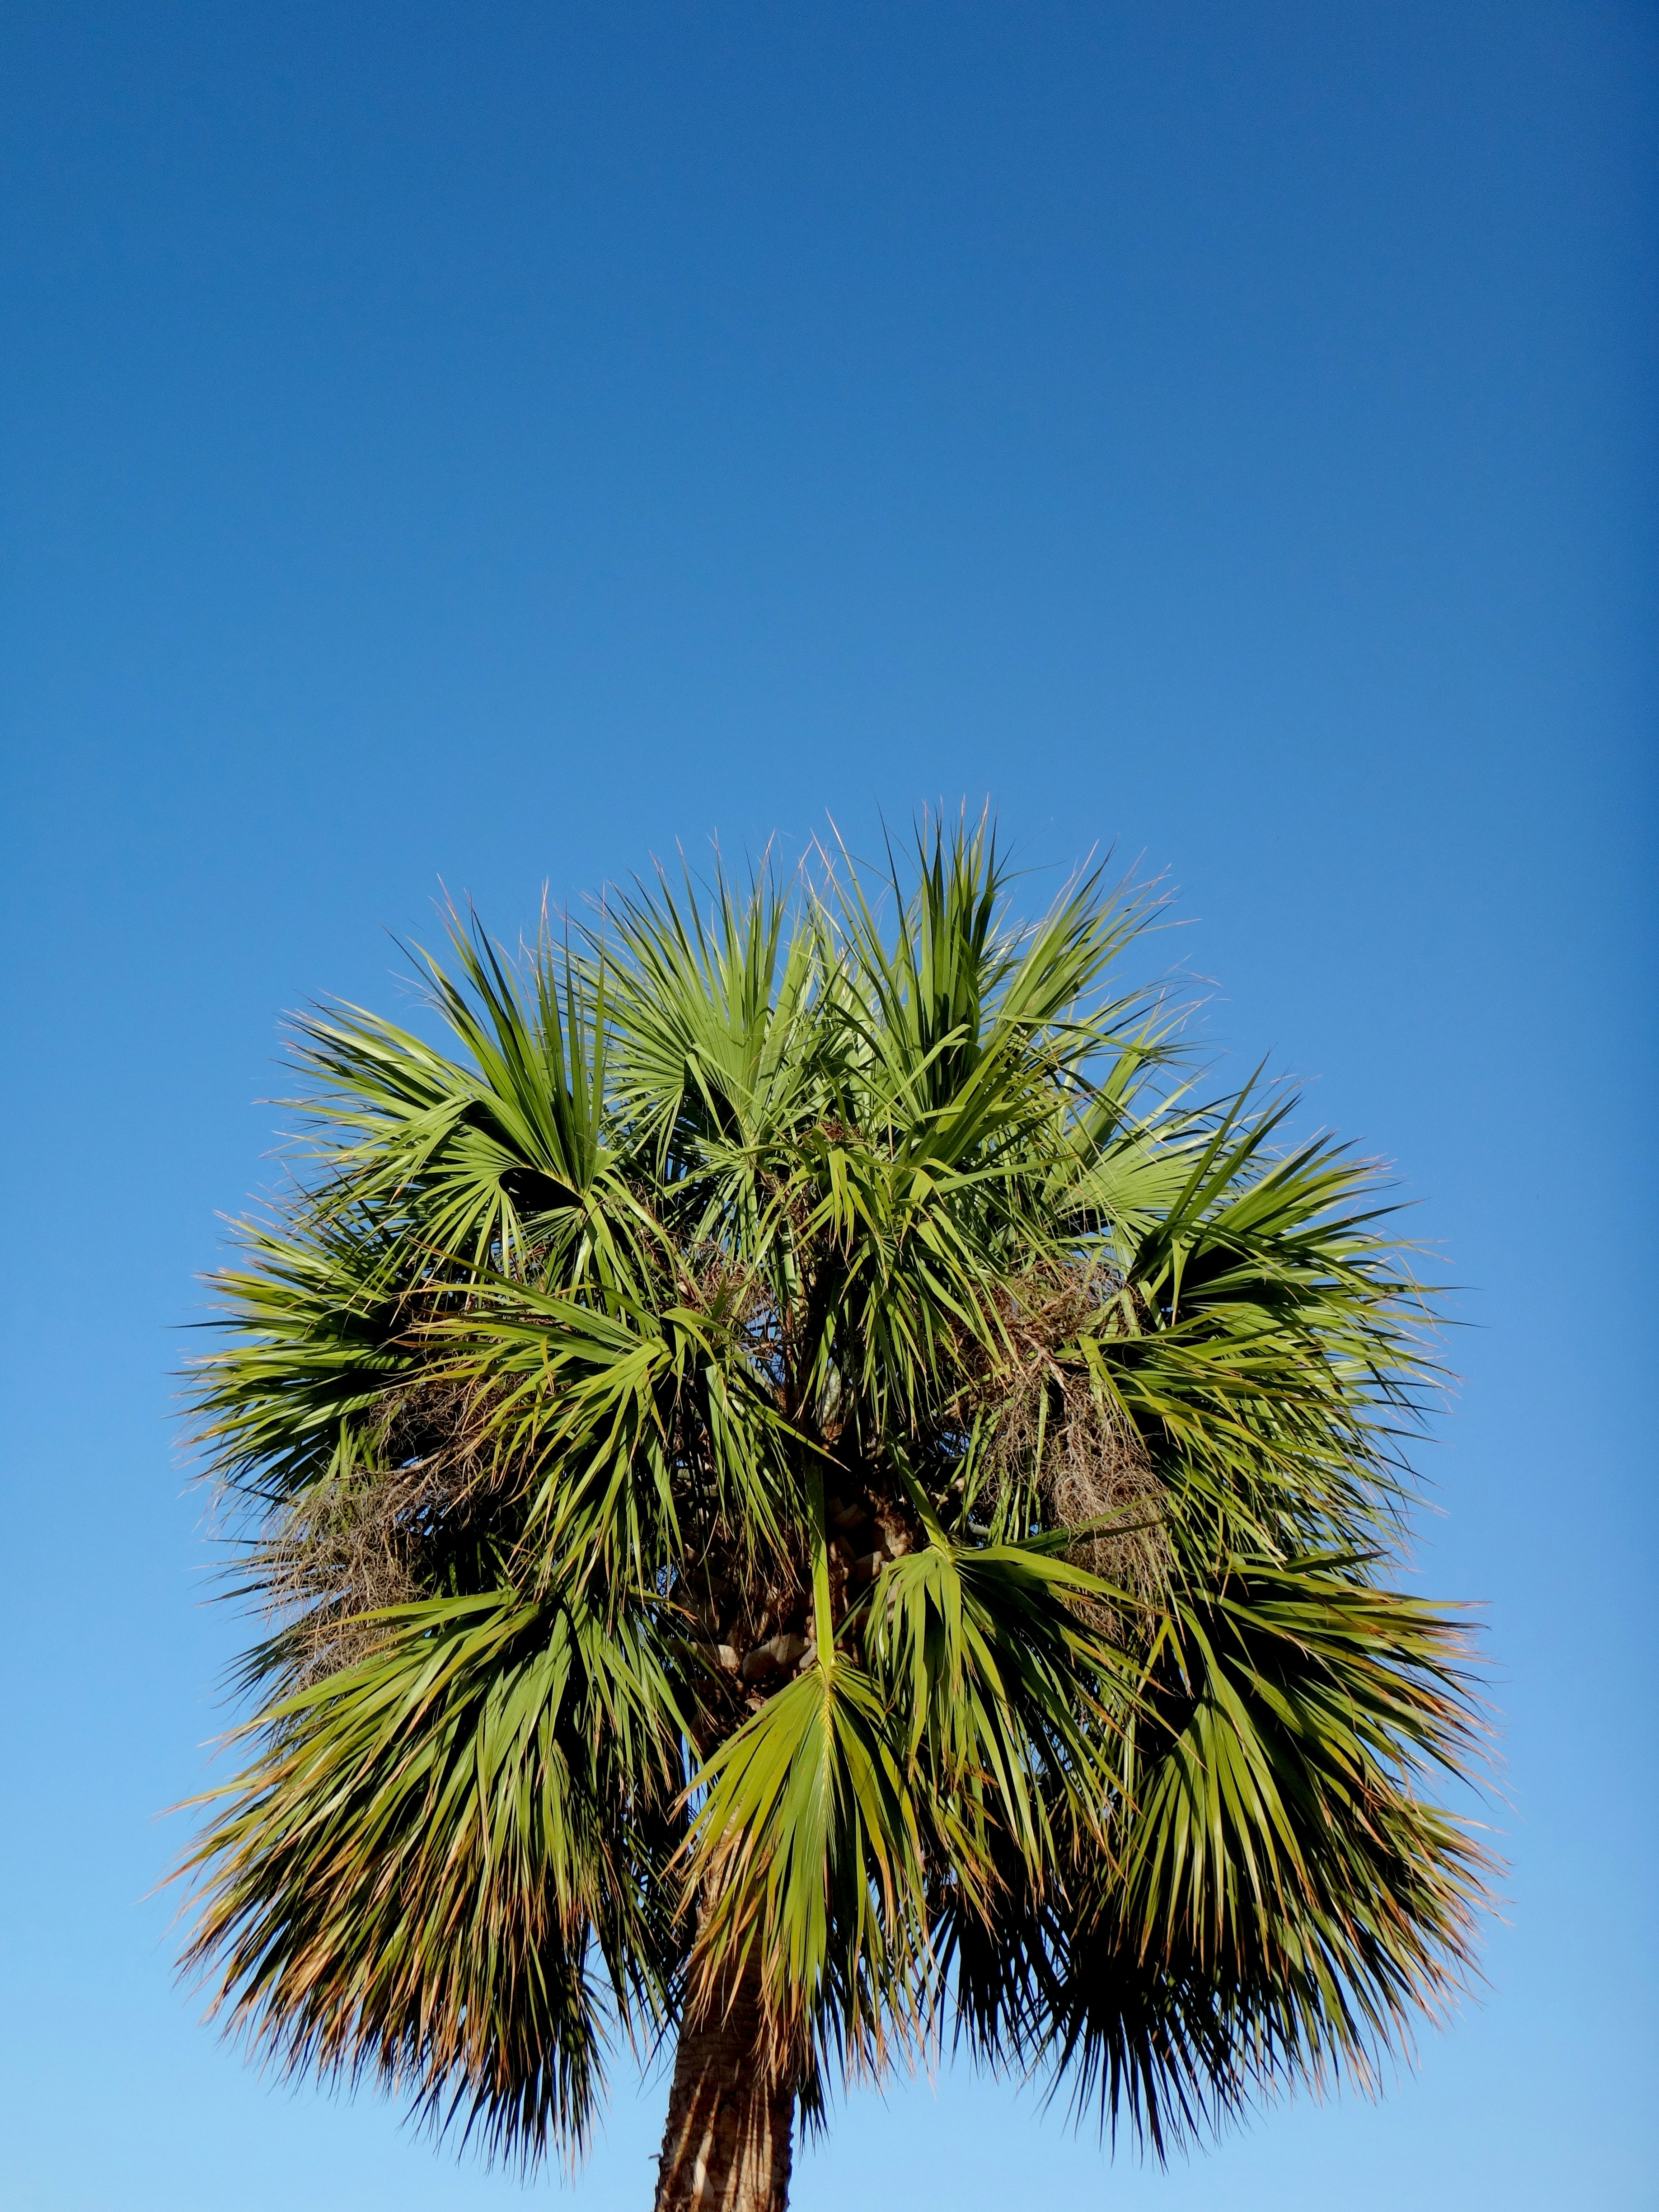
point(486, 448)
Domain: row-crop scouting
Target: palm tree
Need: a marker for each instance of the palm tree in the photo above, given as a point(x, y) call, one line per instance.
point(813, 1501)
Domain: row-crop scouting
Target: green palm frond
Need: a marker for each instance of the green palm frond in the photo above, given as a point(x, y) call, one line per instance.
point(716, 1017)
point(806, 1849)
point(415, 1877)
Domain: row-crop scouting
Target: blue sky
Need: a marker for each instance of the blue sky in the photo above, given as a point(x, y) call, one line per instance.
point(492, 445)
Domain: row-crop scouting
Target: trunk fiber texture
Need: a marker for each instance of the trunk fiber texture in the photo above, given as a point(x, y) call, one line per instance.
point(727, 2146)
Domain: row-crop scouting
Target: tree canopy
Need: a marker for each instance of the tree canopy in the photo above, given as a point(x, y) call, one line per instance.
point(798, 1452)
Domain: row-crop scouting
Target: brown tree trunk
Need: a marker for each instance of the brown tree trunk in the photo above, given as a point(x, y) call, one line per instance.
point(727, 2145)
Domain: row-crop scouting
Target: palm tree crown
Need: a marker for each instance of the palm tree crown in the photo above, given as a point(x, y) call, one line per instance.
point(810, 1497)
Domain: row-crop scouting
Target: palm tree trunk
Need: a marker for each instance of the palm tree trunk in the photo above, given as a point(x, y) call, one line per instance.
point(727, 2146)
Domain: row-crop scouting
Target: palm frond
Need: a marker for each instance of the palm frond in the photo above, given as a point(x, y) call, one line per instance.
point(442, 1871)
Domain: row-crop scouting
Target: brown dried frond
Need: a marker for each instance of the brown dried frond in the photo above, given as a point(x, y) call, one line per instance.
point(1095, 1475)
point(1057, 1433)
point(731, 1291)
point(341, 1555)
point(359, 1544)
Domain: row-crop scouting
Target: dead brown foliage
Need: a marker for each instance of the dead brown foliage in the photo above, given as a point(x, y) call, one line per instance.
point(1059, 1435)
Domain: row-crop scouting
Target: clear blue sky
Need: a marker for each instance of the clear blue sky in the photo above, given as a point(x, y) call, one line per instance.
point(495, 442)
